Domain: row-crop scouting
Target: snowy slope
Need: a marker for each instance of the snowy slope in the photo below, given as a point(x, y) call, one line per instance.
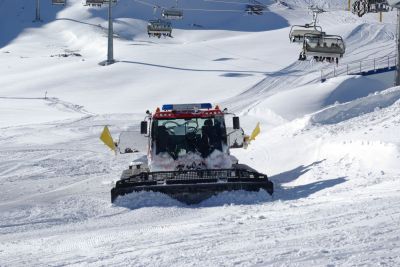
point(331, 149)
point(333, 194)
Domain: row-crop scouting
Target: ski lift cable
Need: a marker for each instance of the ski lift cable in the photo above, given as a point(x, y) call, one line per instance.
point(220, 10)
point(188, 9)
point(216, 10)
point(227, 2)
point(196, 9)
point(149, 4)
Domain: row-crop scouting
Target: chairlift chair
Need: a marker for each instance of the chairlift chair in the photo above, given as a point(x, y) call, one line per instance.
point(94, 3)
point(323, 47)
point(362, 7)
point(376, 6)
point(58, 2)
point(97, 3)
point(172, 14)
point(254, 9)
point(297, 32)
point(158, 28)
point(394, 3)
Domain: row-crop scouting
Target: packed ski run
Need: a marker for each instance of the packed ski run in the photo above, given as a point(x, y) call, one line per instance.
point(330, 149)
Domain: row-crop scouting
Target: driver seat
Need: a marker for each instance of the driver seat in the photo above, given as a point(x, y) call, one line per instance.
point(162, 139)
point(209, 138)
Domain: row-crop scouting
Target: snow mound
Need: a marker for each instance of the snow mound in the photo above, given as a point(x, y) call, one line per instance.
point(367, 33)
point(291, 103)
point(345, 89)
point(362, 154)
point(358, 107)
point(145, 199)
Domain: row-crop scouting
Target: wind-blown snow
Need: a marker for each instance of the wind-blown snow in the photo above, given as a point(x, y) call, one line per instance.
point(332, 149)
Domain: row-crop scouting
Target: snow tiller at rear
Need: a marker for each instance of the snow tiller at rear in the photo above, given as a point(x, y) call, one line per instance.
point(189, 155)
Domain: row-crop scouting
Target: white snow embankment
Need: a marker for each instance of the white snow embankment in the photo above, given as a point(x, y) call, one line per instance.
point(345, 111)
point(299, 101)
point(376, 156)
point(357, 141)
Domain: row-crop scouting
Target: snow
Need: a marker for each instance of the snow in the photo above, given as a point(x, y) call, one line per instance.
point(13, 111)
point(332, 149)
point(216, 160)
point(360, 106)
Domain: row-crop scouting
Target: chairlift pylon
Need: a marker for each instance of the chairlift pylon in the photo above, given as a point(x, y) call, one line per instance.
point(323, 47)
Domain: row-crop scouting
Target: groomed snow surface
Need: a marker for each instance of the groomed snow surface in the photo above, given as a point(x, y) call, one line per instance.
point(331, 149)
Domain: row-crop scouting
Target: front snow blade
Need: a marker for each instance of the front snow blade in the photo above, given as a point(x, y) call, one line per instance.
point(193, 186)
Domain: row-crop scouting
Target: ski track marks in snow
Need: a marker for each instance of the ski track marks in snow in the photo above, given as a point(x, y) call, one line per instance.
point(52, 102)
point(334, 165)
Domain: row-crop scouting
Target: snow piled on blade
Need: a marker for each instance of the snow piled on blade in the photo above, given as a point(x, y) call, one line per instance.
point(162, 162)
point(190, 161)
point(218, 160)
point(144, 199)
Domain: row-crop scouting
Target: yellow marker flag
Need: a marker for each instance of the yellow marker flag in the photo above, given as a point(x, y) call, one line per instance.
point(107, 139)
point(255, 132)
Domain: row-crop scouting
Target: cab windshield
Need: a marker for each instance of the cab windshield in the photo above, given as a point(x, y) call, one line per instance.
point(196, 135)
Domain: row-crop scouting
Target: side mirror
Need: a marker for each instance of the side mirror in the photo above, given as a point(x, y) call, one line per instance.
point(143, 127)
point(127, 141)
point(235, 138)
point(236, 123)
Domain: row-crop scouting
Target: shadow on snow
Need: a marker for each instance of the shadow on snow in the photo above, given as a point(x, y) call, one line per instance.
point(203, 16)
point(225, 73)
point(18, 15)
point(301, 191)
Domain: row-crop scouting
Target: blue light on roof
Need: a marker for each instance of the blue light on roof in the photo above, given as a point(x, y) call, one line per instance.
point(206, 105)
point(167, 107)
point(186, 106)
